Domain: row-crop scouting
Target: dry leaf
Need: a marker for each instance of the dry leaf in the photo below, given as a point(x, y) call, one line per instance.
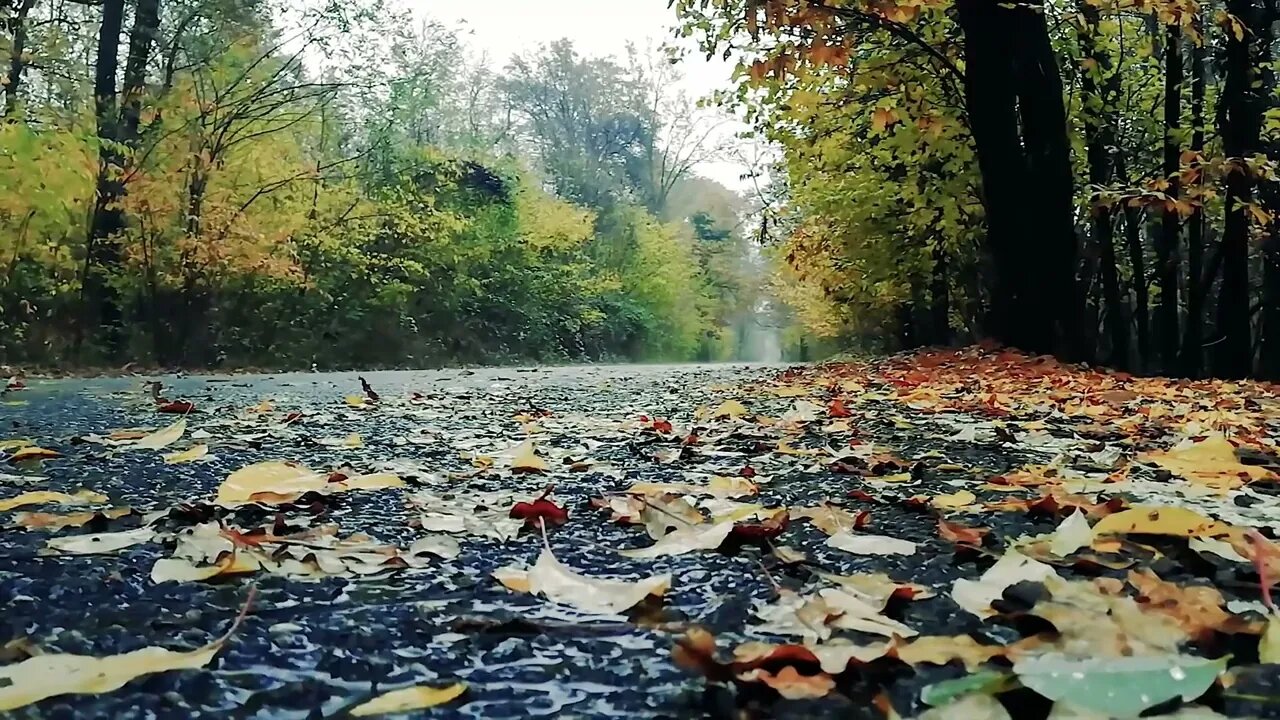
point(559, 584)
point(1211, 461)
point(524, 459)
point(418, 697)
point(791, 684)
point(695, 537)
point(32, 452)
point(1071, 535)
point(186, 456)
point(871, 544)
point(832, 519)
point(100, 543)
point(956, 533)
point(163, 437)
point(731, 409)
point(940, 650)
point(976, 596)
point(1159, 520)
point(270, 482)
point(40, 497)
point(954, 501)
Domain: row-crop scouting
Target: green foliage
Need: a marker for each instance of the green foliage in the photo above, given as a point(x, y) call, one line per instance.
point(277, 215)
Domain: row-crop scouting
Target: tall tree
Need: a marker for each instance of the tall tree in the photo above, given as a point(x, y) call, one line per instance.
point(1167, 272)
point(1193, 333)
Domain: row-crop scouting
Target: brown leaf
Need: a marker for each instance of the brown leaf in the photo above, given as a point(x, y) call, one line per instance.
point(957, 533)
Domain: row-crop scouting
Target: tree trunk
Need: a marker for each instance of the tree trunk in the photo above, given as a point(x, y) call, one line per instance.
point(1240, 127)
point(146, 25)
point(1270, 361)
point(1193, 333)
point(1167, 264)
point(940, 297)
point(17, 23)
point(102, 303)
point(1016, 112)
point(1100, 85)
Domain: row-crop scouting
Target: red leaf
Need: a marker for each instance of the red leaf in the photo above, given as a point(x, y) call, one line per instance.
point(540, 510)
point(747, 472)
point(837, 409)
point(180, 407)
point(662, 426)
point(757, 533)
point(15, 383)
point(956, 533)
point(862, 495)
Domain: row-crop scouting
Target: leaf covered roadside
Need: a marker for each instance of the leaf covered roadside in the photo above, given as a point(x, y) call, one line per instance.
point(931, 529)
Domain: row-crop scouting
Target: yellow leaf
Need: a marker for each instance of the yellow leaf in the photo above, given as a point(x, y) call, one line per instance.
point(33, 452)
point(524, 458)
point(731, 409)
point(82, 497)
point(46, 676)
point(1211, 461)
point(374, 481)
point(186, 456)
point(954, 501)
point(359, 401)
point(1158, 520)
point(1269, 647)
point(164, 437)
point(408, 699)
point(14, 444)
point(272, 481)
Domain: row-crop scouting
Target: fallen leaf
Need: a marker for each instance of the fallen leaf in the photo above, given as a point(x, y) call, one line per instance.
point(731, 409)
point(163, 437)
point(983, 682)
point(790, 684)
point(190, 455)
point(53, 674)
point(55, 521)
point(524, 459)
point(1071, 535)
point(976, 596)
point(1211, 461)
point(1197, 608)
point(599, 596)
point(961, 534)
point(418, 697)
point(954, 501)
point(871, 544)
point(100, 543)
point(942, 649)
point(32, 452)
point(832, 519)
point(177, 407)
point(1118, 687)
point(40, 497)
point(695, 537)
point(1269, 645)
point(1160, 520)
point(271, 482)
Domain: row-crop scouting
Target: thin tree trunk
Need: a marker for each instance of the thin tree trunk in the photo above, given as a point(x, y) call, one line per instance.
point(17, 56)
point(1193, 332)
point(1167, 264)
point(1099, 84)
point(940, 297)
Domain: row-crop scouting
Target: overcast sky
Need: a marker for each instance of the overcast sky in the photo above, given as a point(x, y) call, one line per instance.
point(596, 27)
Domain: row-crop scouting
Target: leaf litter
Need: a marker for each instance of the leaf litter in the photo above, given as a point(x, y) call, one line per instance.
point(1024, 526)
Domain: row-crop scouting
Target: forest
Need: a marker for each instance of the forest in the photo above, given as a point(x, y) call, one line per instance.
point(231, 183)
point(1090, 178)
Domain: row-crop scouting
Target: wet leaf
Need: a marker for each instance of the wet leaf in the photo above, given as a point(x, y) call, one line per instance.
point(32, 452)
point(954, 501)
point(163, 437)
point(100, 543)
point(1121, 687)
point(871, 544)
point(190, 455)
point(418, 697)
point(41, 497)
point(524, 459)
point(1211, 461)
point(599, 596)
point(679, 542)
point(1158, 520)
point(985, 682)
point(976, 596)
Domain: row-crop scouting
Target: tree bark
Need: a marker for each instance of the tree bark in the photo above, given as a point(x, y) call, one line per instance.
point(1167, 264)
point(1016, 113)
point(17, 23)
point(1193, 332)
point(102, 304)
point(1240, 127)
point(940, 297)
point(1100, 84)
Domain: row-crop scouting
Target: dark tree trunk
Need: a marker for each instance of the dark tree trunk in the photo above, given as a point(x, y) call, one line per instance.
point(1270, 361)
point(1016, 113)
point(142, 39)
point(940, 297)
point(1193, 333)
point(102, 304)
point(1100, 85)
point(1167, 264)
point(17, 23)
point(1242, 105)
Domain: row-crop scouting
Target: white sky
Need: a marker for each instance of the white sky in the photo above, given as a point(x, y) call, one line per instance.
point(502, 28)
